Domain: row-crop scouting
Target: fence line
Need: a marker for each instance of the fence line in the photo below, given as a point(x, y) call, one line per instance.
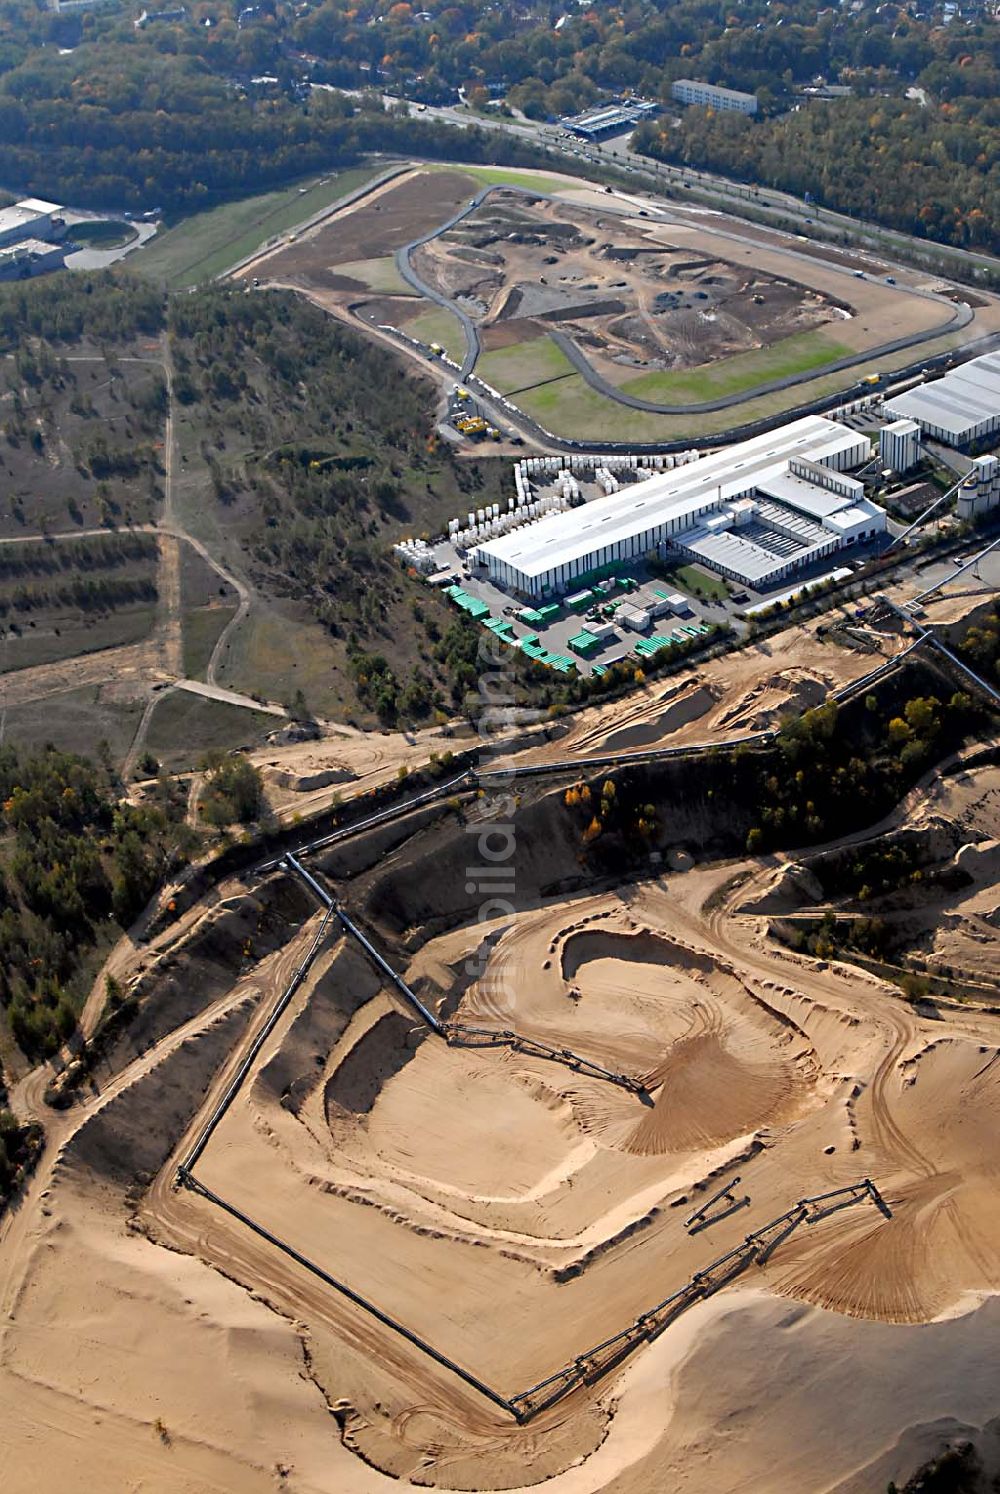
point(236, 1083)
point(456, 1034)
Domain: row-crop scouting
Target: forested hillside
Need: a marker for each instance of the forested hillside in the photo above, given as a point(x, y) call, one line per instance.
point(934, 172)
point(96, 112)
point(77, 866)
point(119, 126)
point(320, 452)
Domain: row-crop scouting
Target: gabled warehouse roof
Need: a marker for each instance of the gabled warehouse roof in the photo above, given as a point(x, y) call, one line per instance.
point(961, 402)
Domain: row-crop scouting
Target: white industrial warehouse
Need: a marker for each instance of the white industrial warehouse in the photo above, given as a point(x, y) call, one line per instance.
point(31, 218)
point(756, 512)
point(960, 409)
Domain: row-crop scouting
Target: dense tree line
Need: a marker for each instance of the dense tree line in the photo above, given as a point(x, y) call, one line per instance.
point(88, 593)
point(77, 861)
point(930, 174)
point(120, 120)
point(100, 307)
point(97, 553)
point(120, 126)
point(168, 116)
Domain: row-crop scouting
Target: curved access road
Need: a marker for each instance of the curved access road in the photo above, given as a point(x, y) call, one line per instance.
point(473, 346)
point(959, 316)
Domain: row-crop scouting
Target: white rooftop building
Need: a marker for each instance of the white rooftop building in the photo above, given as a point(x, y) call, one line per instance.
point(756, 512)
point(31, 218)
point(961, 408)
point(713, 96)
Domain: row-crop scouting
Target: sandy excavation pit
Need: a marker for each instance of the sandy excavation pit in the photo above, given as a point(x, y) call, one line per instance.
point(513, 1212)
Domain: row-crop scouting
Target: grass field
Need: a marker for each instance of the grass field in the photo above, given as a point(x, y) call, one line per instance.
point(509, 176)
point(68, 635)
point(691, 578)
point(76, 721)
point(183, 727)
point(209, 243)
point(439, 326)
point(523, 365)
point(275, 655)
point(792, 355)
point(569, 407)
point(201, 627)
point(378, 274)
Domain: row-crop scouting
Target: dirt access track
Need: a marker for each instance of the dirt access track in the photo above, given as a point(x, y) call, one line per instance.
point(645, 305)
point(511, 1211)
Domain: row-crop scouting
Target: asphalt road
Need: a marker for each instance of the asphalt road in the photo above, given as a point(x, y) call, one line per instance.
point(404, 264)
point(771, 202)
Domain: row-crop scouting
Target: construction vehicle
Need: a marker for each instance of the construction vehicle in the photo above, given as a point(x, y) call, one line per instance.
point(436, 349)
point(462, 394)
point(475, 425)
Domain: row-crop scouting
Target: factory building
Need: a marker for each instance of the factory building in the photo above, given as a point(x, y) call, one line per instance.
point(31, 218)
point(899, 445)
point(711, 96)
point(610, 119)
point(961, 409)
point(29, 258)
point(755, 512)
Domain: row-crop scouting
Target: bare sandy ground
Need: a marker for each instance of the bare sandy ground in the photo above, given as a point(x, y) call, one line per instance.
point(752, 690)
point(516, 1212)
point(726, 698)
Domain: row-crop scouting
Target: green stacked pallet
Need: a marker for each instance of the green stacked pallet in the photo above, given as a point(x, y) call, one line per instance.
point(584, 643)
point(472, 605)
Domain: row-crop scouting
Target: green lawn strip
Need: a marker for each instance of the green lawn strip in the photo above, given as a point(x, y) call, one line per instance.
point(438, 326)
point(211, 242)
point(503, 176)
point(793, 355)
point(523, 365)
point(570, 408)
point(691, 579)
